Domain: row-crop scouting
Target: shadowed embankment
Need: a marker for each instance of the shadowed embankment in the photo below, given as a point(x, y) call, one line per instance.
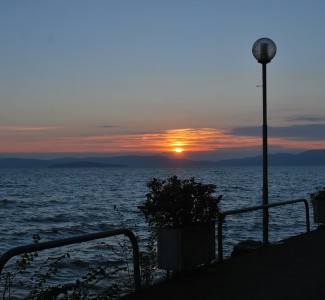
point(292, 269)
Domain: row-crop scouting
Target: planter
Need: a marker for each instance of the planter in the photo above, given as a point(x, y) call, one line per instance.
point(181, 249)
point(319, 210)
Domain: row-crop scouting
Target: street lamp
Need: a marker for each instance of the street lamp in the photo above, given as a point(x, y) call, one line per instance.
point(264, 50)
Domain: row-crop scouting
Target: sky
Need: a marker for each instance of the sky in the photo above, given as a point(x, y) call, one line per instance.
point(159, 77)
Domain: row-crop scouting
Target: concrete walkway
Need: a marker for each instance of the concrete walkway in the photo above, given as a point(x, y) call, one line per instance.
point(293, 269)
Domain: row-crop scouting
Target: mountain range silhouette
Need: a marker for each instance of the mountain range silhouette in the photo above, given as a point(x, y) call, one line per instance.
point(306, 158)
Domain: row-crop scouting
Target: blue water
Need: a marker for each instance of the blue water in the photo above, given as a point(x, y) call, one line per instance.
point(59, 203)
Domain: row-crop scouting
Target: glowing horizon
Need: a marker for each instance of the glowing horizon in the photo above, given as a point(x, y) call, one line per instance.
point(178, 141)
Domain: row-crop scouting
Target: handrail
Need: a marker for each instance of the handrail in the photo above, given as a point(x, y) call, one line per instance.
point(222, 216)
point(80, 239)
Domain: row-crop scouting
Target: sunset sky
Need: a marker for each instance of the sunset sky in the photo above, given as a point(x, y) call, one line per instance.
point(162, 77)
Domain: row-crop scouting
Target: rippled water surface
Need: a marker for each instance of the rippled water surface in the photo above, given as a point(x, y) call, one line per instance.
point(57, 203)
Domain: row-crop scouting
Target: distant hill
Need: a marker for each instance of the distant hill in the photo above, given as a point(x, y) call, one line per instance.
point(84, 164)
point(135, 161)
point(22, 163)
point(310, 158)
point(307, 158)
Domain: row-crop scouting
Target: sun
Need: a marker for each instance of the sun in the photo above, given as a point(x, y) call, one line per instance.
point(178, 150)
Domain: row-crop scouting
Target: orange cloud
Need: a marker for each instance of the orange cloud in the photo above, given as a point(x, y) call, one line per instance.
point(188, 139)
point(295, 143)
point(11, 129)
point(203, 139)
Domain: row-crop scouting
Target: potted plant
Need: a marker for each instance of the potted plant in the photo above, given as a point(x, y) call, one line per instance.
point(318, 202)
point(184, 213)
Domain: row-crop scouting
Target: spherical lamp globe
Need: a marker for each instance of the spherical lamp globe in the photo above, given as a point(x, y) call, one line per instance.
point(264, 50)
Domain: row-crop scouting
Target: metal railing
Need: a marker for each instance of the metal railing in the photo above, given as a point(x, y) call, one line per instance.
point(222, 216)
point(76, 240)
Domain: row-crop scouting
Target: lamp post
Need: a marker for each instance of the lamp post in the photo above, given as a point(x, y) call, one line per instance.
point(264, 50)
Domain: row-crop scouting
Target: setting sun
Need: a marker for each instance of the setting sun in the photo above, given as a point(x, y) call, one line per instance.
point(178, 150)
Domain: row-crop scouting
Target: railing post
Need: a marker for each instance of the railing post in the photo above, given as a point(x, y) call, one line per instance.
point(136, 259)
point(307, 215)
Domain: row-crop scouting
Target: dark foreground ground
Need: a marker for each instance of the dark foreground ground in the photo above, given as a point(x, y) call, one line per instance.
point(293, 269)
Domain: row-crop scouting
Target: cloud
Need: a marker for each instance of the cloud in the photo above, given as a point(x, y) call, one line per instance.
point(189, 139)
point(246, 131)
point(107, 126)
point(303, 132)
point(307, 118)
point(27, 129)
point(306, 132)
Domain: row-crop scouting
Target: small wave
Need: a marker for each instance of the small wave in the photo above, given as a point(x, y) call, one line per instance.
point(50, 219)
point(18, 195)
point(105, 226)
point(78, 263)
point(61, 231)
point(4, 202)
point(78, 229)
point(8, 185)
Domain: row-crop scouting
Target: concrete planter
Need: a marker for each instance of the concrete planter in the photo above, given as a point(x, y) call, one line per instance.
point(319, 211)
point(181, 249)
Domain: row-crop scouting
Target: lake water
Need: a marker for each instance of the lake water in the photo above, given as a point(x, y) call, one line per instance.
point(59, 203)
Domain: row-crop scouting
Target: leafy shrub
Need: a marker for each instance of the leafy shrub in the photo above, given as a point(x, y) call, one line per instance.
point(175, 202)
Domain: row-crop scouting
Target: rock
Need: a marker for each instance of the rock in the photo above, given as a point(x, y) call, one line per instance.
point(245, 247)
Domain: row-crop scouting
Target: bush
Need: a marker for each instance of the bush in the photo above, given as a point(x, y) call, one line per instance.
point(174, 202)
